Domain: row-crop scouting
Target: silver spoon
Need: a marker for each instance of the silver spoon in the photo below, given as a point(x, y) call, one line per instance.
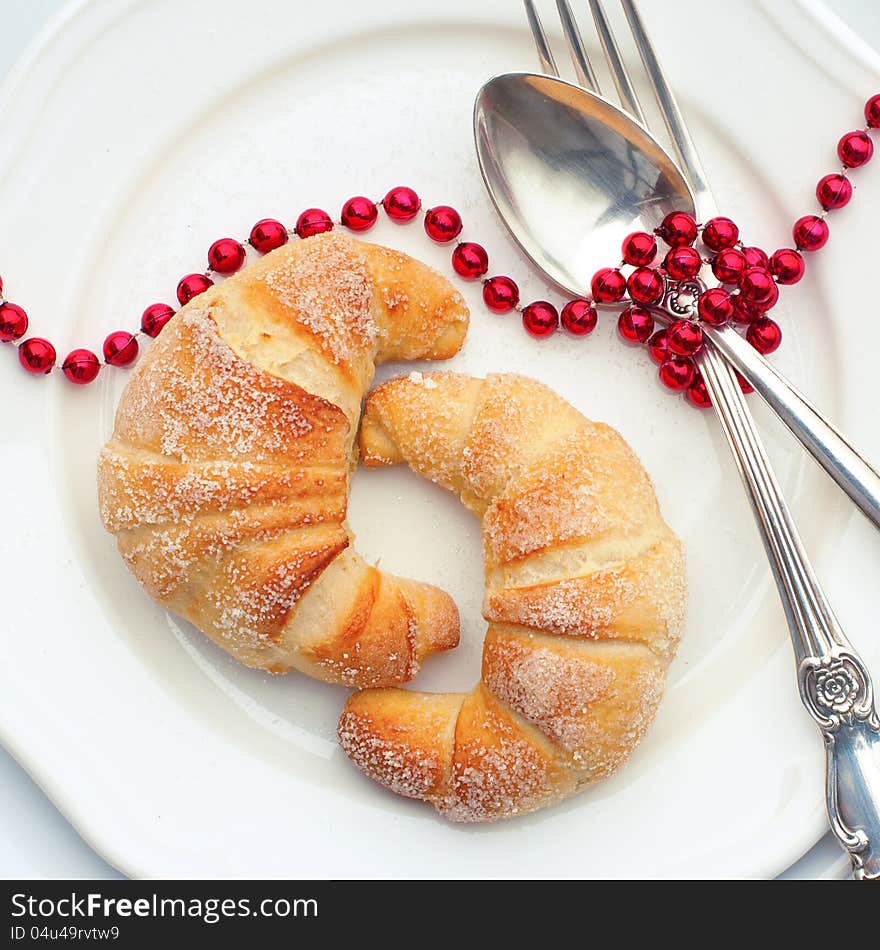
point(537, 138)
point(571, 175)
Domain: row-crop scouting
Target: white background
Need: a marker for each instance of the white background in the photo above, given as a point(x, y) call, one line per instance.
point(35, 840)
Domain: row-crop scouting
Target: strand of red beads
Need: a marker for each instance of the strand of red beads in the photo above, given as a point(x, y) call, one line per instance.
point(749, 278)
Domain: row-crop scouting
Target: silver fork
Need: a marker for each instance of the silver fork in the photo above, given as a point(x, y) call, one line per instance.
point(834, 683)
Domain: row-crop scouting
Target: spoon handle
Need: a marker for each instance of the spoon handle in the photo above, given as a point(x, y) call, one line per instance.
point(826, 444)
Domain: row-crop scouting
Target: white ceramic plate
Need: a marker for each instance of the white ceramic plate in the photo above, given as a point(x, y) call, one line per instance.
point(136, 133)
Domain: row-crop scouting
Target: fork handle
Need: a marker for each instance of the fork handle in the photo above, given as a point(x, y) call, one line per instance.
point(835, 685)
point(823, 441)
point(852, 790)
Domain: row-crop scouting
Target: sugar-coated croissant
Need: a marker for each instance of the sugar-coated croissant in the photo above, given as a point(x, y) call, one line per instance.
point(585, 593)
point(226, 478)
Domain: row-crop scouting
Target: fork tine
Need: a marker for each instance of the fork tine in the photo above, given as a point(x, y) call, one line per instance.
point(682, 142)
point(579, 57)
point(545, 53)
point(628, 98)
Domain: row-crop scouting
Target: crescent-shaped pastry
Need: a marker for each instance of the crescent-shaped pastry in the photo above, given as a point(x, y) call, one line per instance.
point(226, 478)
point(585, 595)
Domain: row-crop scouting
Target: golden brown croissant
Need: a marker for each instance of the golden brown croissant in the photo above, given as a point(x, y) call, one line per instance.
point(585, 592)
point(226, 478)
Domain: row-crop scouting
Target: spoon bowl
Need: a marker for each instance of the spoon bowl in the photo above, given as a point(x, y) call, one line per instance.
point(570, 174)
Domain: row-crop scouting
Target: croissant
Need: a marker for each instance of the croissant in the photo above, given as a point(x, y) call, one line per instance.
point(585, 593)
point(226, 478)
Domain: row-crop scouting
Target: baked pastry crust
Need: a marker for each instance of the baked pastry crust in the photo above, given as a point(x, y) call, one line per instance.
point(585, 596)
point(226, 478)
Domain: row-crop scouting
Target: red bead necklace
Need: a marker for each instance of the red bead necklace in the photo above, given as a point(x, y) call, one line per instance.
point(750, 278)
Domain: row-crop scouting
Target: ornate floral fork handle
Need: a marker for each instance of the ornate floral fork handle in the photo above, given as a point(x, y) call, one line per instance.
point(834, 683)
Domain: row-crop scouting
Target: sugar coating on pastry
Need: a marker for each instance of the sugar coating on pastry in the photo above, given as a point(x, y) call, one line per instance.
point(585, 598)
point(226, 478)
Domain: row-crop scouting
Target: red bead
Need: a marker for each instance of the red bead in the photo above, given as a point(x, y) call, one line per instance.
point(470, 260)
point(743, 311)
point(787, 265)
point(744, 384)
point(1, 285)
point(755, 257)
point(500, 294)
point(37, 355)
point(359, 213)
point(645, 285)
point(267, 235)
point(719, 233)
point(658, 347)
point(639, 249)
point(764, 335)
point(608, 285)
point(676, 373)
point(855, 149)
point(540, 319)
point(120, 348)
point(771, 299)
point(155, 317)
point(728, 265)
point(313, 221)
point(13, 322)
point(226, 256)
point(401, 204)
point(698, 395)
point(81, 366)
point(191, 286)
point(834, 191)
point(685, 338)
point(715, 306)
point(678, 228)
point(683, 263)
point(579, 317)
point(810, 233)
point(872, 111)
point(442, 224)
point(635, 324)
point(756, 286)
